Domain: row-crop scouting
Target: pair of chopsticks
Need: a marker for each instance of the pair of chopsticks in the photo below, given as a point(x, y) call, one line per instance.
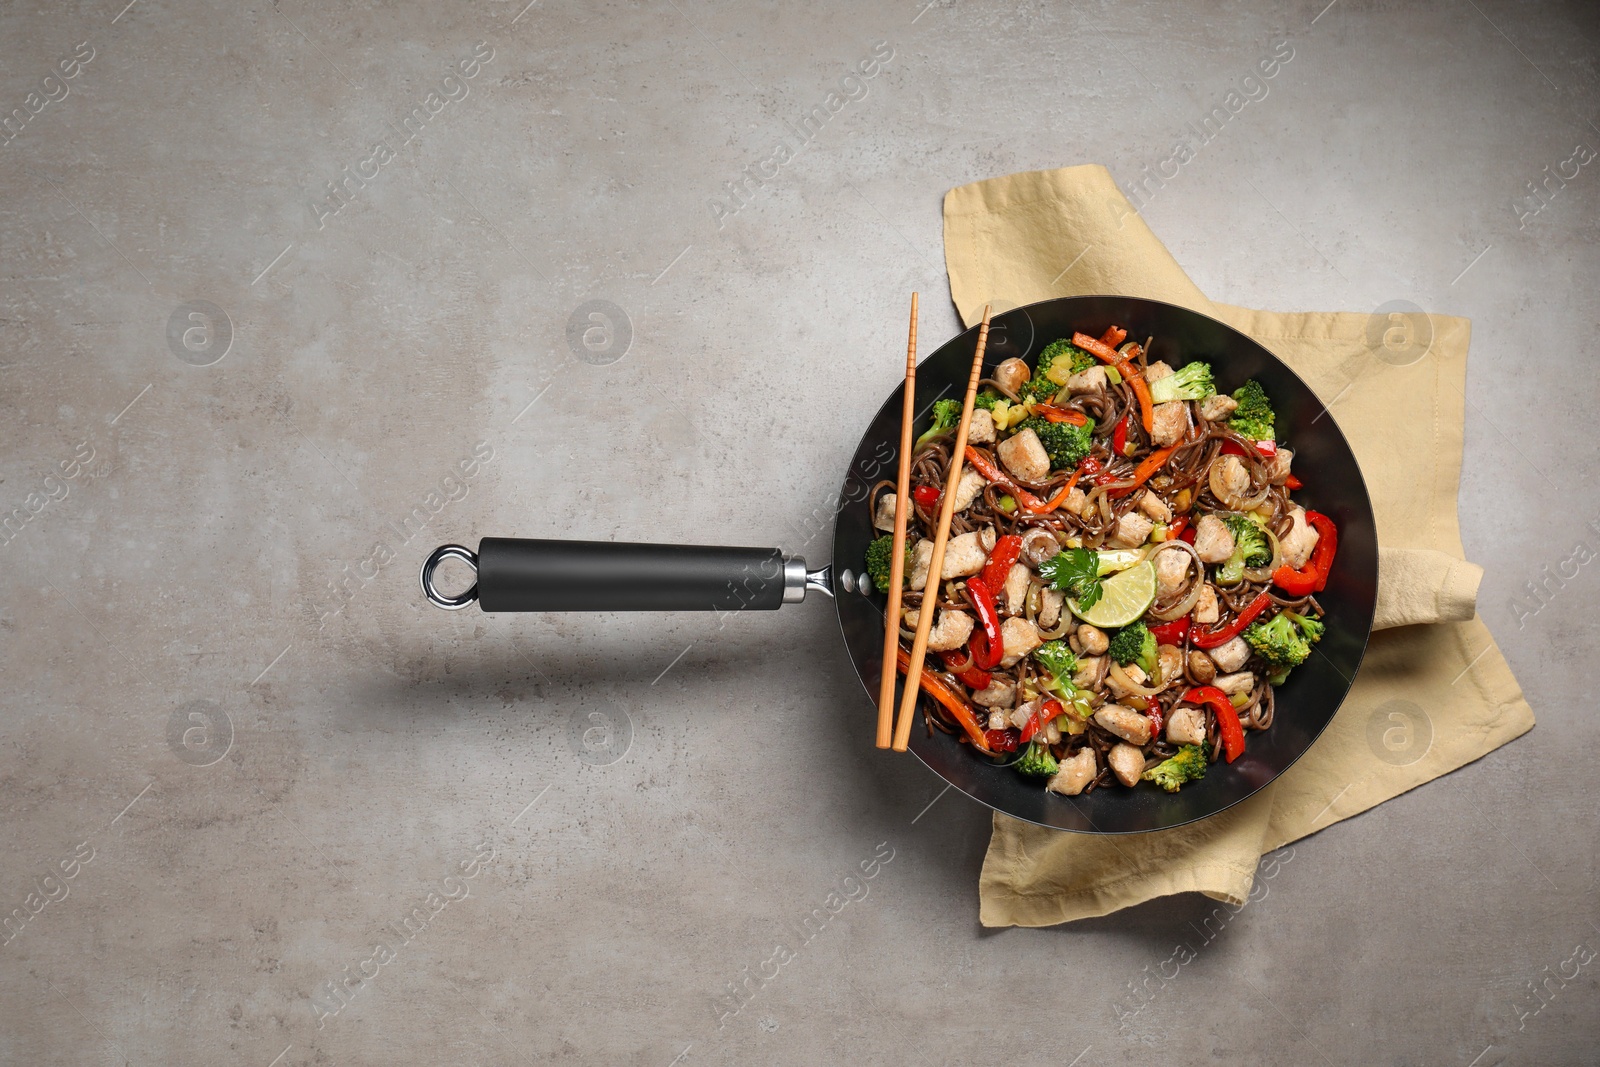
point(901, 735)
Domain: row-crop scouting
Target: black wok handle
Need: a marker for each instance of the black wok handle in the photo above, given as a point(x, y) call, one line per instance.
point(516, 574)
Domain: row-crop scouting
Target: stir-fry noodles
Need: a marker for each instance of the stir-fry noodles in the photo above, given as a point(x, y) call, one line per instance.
point(1127, 578)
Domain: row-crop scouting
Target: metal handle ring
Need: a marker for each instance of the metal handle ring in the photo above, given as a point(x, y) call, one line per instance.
point(440, 554)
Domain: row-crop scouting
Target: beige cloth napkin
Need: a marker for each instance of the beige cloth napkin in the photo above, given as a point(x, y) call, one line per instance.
point(1433, 694)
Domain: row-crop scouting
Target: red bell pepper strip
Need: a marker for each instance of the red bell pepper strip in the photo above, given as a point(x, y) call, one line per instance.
point(1001, 740)
point(927, 496)
point(1036, 719)
point(963, 667)
point(1228, 724)
point(1313, 577)
point(1129, 374)
point(1171, 633)
point(1152, 463)
point(1213, 638)
point(1055, 414)
point(1187, 536)
point(983, 656)
point(998, 569)
point(982, 600)
point(1177, 527)
point(1234, 448)
point(1119, 437)
point(1153, 713)
point(956, 705)
point(1291, 483)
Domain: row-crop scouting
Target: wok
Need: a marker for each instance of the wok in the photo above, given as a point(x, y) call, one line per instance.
point(548, 575)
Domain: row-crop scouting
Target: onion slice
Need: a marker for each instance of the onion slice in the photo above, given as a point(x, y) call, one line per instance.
point(1186, 602)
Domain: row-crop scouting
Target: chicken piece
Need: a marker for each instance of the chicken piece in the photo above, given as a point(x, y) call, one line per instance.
point(1278, 466)
point(1125, 723)
point(1001, 693)
point(1171, 567)
point(1230, 479)
point(1091, 672)
point(1127, 763)
point(1186, 726)
point(1206, 610)
point(999, 718)
point(1155, 507)
point(1238, 682)
point(1132, 530)
point(1075, 773)
point(1231, 655)
point(1134, 673)
point(950, 630)
point(980, 431)
point(1299, 541)
point(1077, 501)
point(1050, 733)
point(968, 488)
point(883, 516)
point(1170, 660)
point(1024, 456)
point(1213, 541)
point(964, 555)
point(1050, 603)
point(1155, 370)
point(1093, 640)
point(921, 560)
point(1019, 717)
point(1037, 546)
point(1011, 374)
point(1088, 380)
point(1218, 407)
point(1015, 592)
point(1169, 422)
point(1201, 667)
point(1018, 637)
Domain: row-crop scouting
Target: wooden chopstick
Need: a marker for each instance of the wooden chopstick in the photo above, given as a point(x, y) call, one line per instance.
point(897, 566)
point(930, 589)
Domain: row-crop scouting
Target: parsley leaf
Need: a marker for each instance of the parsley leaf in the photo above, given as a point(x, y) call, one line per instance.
point(1076, 572)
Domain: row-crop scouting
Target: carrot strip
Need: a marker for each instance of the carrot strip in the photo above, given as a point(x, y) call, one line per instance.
point(1141, 474)
point(1104, 352)
point(956, 705)
point(1002, 479)
point(1055, 414)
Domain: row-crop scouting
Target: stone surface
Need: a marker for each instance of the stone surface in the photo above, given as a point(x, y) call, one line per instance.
point(221, 684)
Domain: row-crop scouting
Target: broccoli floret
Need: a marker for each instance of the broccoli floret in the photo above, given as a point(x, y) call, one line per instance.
point(986, 401)
point(946, 413)
point(1066, 358)
point(1187, 766)
point(1057, 658)
point(1135, 643)
point(1191, 382)
point(1060, 664)
point(1286, 640)
point(1250, 548)
point(1254, 417)
point(880, 556)
point(1065, 443)
point(1036, 760)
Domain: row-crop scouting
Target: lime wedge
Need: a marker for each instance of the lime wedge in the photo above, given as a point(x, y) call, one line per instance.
point(1117, 559)
point(1124, 597)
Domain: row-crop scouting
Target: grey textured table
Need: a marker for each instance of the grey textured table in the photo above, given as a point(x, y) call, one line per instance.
point(294, 294)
